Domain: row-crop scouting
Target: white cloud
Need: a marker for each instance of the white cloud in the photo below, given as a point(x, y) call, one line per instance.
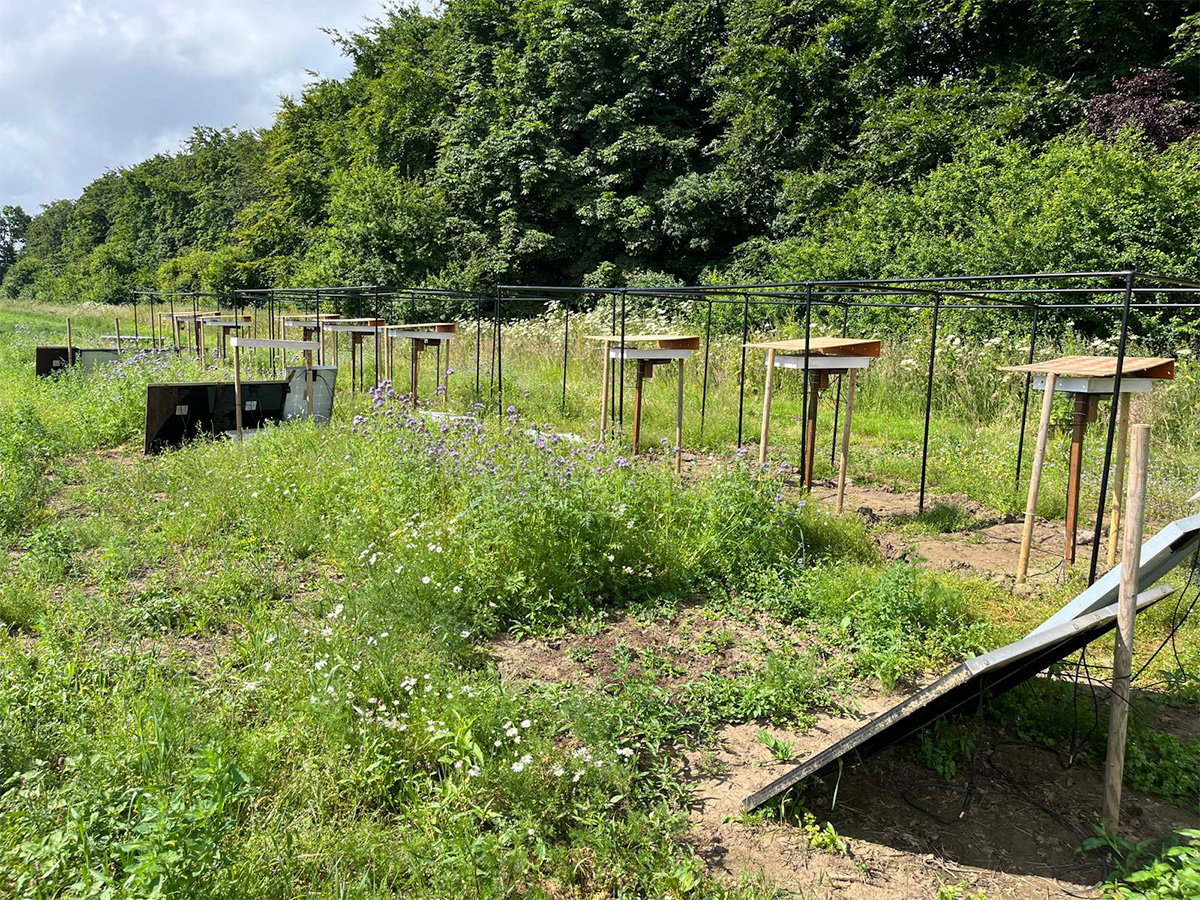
point(92, 85)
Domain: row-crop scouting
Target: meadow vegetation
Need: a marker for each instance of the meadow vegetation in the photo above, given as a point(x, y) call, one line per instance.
point(263, 669)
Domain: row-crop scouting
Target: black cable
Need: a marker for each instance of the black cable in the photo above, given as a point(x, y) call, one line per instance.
point(1178, 621)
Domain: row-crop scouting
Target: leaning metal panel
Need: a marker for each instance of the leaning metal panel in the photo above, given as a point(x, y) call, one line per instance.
point(988, 675)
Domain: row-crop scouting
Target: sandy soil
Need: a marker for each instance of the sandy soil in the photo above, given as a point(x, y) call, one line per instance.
point(1005, 844)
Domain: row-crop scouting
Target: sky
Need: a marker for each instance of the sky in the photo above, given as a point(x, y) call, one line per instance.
point(92, 85)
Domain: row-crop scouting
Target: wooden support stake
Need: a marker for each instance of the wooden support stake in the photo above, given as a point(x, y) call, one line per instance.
point(766, 416)
point(604, 386)
point(845, 460)
point(117, 322)
point(637, 405)
point(1119, 478)
point(446, 373)
point(811, 428)
point(69, 346)
point(309, 374)
point(1131, 546)
point(237, 388)
point(679, 423)
point(1074, 474)
point(1035, 477)
point(353, 365)
point(415, 366)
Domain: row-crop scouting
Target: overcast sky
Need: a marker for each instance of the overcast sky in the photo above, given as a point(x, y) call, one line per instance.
point(92, 85)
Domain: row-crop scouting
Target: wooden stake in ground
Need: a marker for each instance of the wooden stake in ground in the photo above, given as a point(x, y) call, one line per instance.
point(1075, 474)
point(1119, 478)
point(604, 388)
point(1035, 477)
point(237, 388)
point(117, 322)
point(309, 375)
point(845, 460)
point(68, 340)
point(637, 405)
point(679, 423)
point(1131, 545)
point(768, 385)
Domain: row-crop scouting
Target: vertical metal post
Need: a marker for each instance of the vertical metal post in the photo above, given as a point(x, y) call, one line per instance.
point(1112, 427)
point(621, 364)
point(837, 403)
point(804, 404)
point(742, 372)
point(499, 356)
point(937, 308)
point(377, 318)
point(566, 345)
point(478, 340)
point(1025, 400)
point(704, 385)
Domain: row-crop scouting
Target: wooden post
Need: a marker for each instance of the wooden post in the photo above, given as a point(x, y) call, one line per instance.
point(413, 375)
point(1074, 474)
point(845, 460)
point(679, 423)
point(309, 375)
point(637, 405)
point(353, 364)
point(811, 428)
point(604, 385)
point(1119, 477)
point(766, 416)
point(1131, 546)
point(117, 322)
point(389, 346)
point(446, 373)
point(1035, 477)
point(69, 345)
point(237, 388)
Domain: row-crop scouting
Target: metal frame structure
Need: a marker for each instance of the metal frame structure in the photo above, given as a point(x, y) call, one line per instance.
point(1035, 296)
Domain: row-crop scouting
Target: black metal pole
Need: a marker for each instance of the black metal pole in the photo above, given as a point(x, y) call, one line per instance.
point(1025, 400)
point(621, 398)
point(804, 471)
point(499, 358)
point(1112, 428)
point(837, 403)
point(937, 307)
point(707, 346)
point(566, 345)
point(478, 340)
point(742, 372)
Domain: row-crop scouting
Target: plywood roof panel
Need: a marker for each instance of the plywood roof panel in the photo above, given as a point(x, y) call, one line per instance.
point(1100, 366)
point(825, 346)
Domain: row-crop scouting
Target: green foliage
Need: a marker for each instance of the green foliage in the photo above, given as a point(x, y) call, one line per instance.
point(657, 141)
point(780, 749)
point(1151, 870)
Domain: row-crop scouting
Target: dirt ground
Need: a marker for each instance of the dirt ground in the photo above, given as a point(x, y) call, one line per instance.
point(905, 828)
point(988, 550)
point(907, 831)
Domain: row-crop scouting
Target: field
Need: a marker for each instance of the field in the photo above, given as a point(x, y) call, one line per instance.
point(403, 655)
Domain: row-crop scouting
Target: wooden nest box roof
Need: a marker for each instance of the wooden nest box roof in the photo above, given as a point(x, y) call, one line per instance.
point(1100, 367)
point(824, 346)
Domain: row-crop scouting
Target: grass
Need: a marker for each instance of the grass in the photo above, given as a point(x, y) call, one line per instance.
point(263, 669)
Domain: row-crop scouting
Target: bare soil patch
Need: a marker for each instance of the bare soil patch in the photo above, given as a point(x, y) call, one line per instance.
point(690, 645)
point(1016, 839)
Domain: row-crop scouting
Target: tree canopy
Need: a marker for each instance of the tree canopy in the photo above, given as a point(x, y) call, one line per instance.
point(571, 141)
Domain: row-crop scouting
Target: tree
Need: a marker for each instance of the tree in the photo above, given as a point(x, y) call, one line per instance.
point(14, 222)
